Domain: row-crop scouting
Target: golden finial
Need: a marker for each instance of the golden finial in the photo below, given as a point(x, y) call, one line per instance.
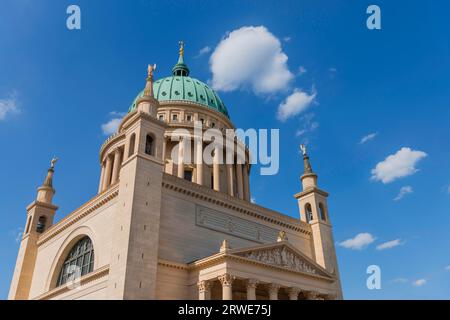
point(150, 70)
point(181, 43)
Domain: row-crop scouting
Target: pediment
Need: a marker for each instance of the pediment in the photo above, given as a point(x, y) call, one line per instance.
point(283, 255)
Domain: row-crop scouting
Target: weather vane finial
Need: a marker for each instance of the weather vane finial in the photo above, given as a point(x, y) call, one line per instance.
point(151, 69)
point(181, 43)
point(53, 162)
point(303, 148)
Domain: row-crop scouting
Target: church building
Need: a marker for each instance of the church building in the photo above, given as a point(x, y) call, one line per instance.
point(164, 228)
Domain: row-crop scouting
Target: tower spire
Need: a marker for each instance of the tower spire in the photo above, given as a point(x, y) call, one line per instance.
point(181, 69)
point(46, 191)
point(306, 163)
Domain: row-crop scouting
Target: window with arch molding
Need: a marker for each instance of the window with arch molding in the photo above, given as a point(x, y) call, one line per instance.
point(149, 145)
point(323, 215)
point(79, 261)
point(131, 146)
point(308, 212)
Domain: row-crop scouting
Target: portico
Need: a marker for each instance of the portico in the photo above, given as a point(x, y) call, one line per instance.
point(265, 272)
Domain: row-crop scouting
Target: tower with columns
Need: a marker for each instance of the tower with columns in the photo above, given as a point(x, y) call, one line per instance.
point(313, 207)
point(40, 215)
point(172, 218)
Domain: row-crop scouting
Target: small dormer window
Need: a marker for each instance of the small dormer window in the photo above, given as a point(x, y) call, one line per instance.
point(189, 118)
point(161, 117)
point(175, 117)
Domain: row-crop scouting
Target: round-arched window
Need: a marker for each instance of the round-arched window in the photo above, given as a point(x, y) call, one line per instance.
point(79, 261)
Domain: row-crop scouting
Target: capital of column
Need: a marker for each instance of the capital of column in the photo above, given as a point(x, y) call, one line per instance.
point(293, 293)
point(252, 283)
point(273, 291)
point(203, 286)
point(313, 295)
point(226, 279)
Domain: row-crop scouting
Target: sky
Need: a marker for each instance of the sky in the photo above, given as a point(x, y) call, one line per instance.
point(372, 106)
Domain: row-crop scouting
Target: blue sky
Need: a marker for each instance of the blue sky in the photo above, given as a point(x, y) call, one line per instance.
point(58, 87)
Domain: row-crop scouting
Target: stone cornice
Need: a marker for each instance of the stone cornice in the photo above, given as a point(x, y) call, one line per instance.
point(94, 275)
point(79, 213)
point(310, 190)
point(41, 204)
point(223, 257)
point(174, 183)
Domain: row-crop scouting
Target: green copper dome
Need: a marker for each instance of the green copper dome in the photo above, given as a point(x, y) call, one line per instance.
point(181, 87)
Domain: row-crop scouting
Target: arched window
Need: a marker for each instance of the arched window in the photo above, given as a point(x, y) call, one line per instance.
point(322, 212)
point(149, 145)
point(40, 227)
point(79, 261)
point(308, 212)
point(131, 146)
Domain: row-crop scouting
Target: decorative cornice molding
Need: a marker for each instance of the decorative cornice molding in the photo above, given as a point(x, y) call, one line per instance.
point(79, 213)
point(194, 190)
point(310, 190)
point(94, 275)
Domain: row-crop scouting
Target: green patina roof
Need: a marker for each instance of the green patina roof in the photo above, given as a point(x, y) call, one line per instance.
point(181, 87)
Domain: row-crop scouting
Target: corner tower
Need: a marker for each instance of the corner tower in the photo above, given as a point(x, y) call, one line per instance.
point(313, 207)
point(135, 240)
point(40, 215)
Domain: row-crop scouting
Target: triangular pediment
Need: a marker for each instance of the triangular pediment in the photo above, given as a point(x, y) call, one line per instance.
point(283, 255)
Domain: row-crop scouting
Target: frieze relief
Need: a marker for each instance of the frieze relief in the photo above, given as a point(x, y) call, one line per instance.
point(280, 257)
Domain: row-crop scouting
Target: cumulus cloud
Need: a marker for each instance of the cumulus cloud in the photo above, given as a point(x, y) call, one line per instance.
point(389, 244)
point(419, 282)
point(398, 165)
point(368, 137)
point(359, 242)
point(112, 125)
point(403, 191)
point(8, 105)
point(250, 57)
point(294, 104)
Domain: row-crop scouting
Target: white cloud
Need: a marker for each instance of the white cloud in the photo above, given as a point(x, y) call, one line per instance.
point(287, 39)
point(448, 189)
point(111, 126)
point(17, 234)
point(389, 244)
point(294, 104)
point(368, 137)
point(250, 57)
point(253, 200)
point(398, 165)
point(360, 241)
point(8, 106)
point(419, 282)
point(203, 51)
point(309, 125)
point(447, 268)
point(403, 191)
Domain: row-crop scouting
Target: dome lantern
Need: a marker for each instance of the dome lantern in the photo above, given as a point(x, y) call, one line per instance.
point(181, 69)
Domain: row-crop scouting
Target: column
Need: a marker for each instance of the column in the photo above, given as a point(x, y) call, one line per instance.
point(216, 168)
point(107, 176)
point(313, 295)
point(230, 179)
point(246, 183)
point(273, 291)
point(293, 293)
point(227, 290)
point(116, 166)
point(164, 147)
point(204, 290)
point(251, 289)
point(240, 183)
point(181, 158)
point(199, 160)
point(102, 174)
